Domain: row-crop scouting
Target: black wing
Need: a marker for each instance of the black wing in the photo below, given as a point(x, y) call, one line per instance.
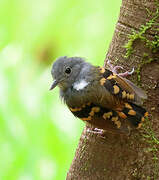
point(121, 87)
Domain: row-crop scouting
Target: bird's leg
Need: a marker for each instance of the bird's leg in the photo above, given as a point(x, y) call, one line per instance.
point(115, 69)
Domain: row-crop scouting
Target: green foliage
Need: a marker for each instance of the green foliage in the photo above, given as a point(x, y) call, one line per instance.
point(38, 135)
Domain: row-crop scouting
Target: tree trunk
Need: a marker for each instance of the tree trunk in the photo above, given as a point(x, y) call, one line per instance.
point(135, 44)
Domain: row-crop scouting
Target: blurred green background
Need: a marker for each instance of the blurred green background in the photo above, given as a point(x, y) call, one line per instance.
point(38, 135)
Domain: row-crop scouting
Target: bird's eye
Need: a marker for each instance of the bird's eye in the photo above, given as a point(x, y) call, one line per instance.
point(68, 70)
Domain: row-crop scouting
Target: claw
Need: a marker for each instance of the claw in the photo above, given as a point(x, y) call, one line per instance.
point(132, 71)
point(127, 73)
point(101, 132)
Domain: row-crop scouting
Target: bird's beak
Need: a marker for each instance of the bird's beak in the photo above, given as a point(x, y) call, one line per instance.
point(54, 84)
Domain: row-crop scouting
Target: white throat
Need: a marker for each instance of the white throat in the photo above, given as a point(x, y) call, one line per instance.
point(79, 85)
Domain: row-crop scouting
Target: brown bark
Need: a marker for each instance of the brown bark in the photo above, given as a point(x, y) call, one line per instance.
point(136, 156)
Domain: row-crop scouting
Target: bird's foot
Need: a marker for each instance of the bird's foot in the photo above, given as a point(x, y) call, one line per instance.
point(115, 69)
point(100, 132)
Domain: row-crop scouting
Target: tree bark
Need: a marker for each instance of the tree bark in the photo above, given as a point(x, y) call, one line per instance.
point(135, 44)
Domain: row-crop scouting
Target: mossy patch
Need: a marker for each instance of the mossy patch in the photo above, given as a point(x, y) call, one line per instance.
point(140, 35)
point(152, 44)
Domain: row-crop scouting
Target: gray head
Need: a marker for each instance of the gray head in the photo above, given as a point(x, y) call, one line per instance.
point(65, 71)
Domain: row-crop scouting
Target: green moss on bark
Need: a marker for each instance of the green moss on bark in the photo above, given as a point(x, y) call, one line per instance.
point(140, 35)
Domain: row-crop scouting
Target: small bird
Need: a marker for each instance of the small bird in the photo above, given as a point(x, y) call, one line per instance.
point(102, 98)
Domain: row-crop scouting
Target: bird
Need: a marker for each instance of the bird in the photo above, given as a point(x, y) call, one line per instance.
point(101, 97)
